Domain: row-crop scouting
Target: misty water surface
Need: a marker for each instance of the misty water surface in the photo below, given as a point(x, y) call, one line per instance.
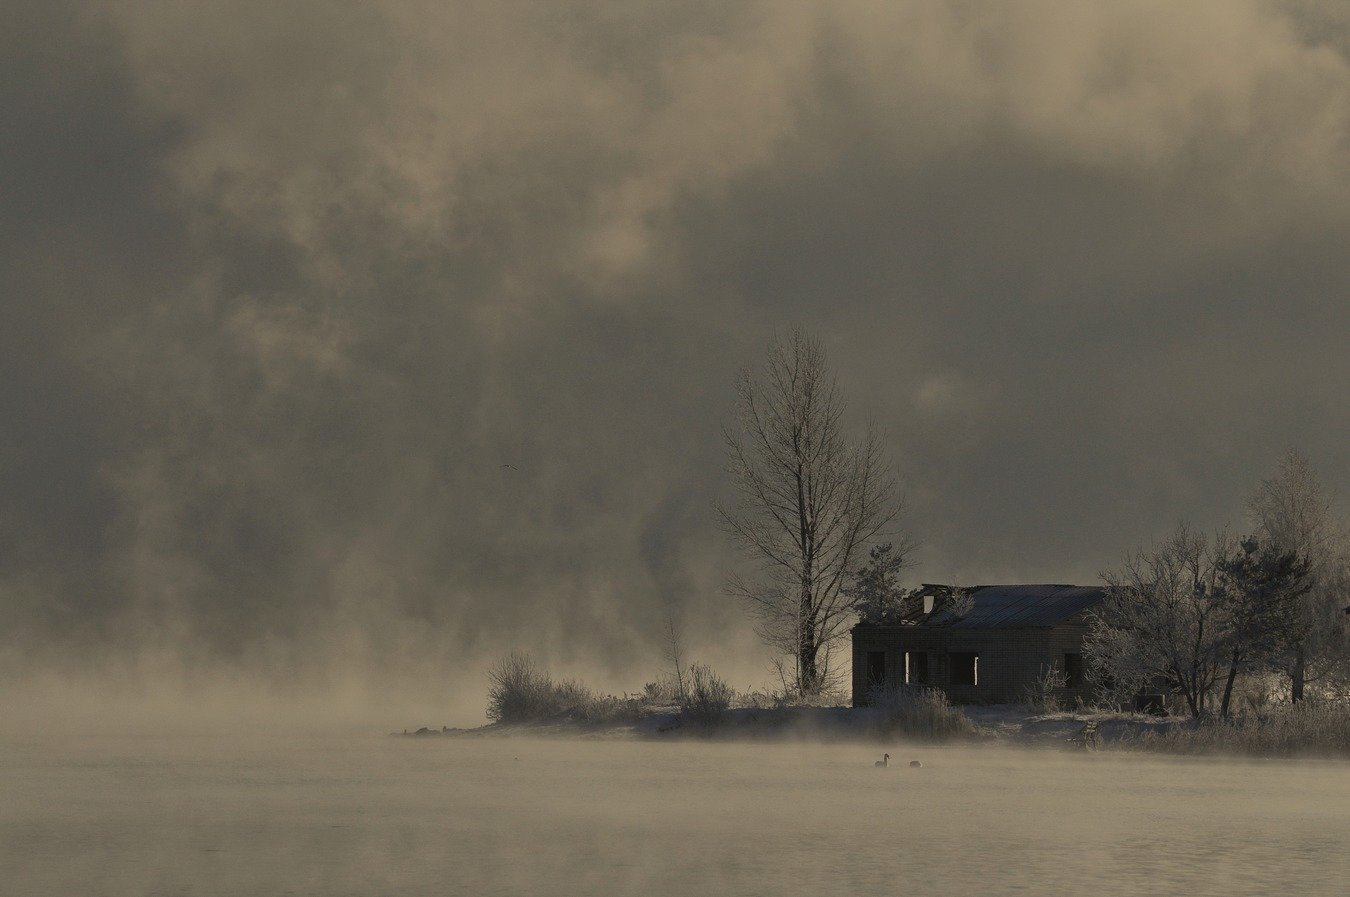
point(373, 815)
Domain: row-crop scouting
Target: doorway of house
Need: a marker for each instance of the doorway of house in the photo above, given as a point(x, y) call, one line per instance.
point(916, 668)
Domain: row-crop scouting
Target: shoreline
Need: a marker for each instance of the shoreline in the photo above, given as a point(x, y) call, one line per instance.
point(1011, 725)
point(1281, 736)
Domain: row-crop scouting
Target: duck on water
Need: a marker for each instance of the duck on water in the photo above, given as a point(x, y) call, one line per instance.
point(885, 762)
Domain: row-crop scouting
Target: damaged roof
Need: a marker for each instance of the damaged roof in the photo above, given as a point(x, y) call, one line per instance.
point(1005, 606)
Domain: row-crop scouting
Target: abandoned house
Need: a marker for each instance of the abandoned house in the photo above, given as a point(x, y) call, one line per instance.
point(980, 645)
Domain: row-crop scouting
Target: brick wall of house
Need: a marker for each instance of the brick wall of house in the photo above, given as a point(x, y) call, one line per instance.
point(1010, 659)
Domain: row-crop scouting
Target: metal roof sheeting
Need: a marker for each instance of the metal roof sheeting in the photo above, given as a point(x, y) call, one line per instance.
point(1010, 606)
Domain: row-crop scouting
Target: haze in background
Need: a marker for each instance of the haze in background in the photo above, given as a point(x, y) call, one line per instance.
point(347, 345)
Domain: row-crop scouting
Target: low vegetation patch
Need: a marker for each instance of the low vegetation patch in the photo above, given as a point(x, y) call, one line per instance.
point(664, 692)
point(520, 692)
point(1046, 694)
point(707, 696)
point(1311, 728)
point(920, 713)
point(786, 698)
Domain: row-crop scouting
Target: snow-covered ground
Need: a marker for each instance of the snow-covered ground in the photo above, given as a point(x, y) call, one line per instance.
point(1020, 724)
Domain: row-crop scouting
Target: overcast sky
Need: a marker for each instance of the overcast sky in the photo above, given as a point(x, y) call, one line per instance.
point(288, 284)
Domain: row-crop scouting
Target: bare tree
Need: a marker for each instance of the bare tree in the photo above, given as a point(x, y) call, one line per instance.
point(809, 501)
point(1293, 512)
point(1166, 619)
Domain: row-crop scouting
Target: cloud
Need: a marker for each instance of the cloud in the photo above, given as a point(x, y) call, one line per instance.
point(293, 283)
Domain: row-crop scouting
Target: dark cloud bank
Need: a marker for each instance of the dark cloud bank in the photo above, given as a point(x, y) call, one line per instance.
point(288, 285)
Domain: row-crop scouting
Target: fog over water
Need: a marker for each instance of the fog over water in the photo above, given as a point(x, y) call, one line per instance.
point(353, 816)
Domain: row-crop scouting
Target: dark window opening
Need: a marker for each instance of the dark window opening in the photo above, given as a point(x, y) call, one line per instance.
point(916, 668)
point(1153, 703)
point(876, 669)
point(965, 668)
point(1073, 670)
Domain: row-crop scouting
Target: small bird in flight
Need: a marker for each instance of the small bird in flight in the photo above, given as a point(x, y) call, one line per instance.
point(512, 466)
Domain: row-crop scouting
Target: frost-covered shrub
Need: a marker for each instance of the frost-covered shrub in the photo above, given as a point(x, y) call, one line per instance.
point(922, 713)
point(577, 703)
point(1046, 694)
point(664, 692)
point(786, 697)
point(707, 696)
point(759, 699)
point(832, 696)
point(520, 692)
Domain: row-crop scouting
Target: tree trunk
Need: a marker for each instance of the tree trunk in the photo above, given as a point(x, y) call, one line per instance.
point(806, 634)
point(1228, 686)
point(1296, 676)
point(808, 674)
